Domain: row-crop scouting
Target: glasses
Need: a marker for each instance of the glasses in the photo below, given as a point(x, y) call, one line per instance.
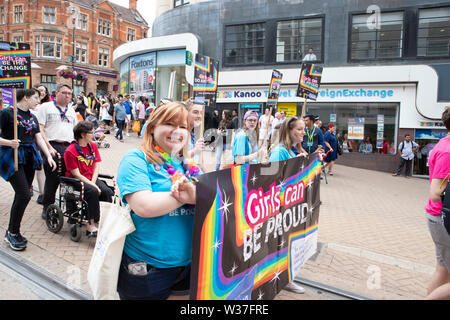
point(252, 120)
point(66, 93)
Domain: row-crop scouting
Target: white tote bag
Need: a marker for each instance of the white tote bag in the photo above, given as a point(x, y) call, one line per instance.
point(103, 274)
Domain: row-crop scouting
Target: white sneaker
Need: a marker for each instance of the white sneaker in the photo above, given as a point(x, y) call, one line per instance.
point(291, 286)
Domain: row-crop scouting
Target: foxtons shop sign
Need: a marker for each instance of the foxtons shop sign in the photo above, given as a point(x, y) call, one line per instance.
point(289, 94)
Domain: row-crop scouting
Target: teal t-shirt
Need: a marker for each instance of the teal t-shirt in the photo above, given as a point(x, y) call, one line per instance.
point(242, 147)
point(280, 152)
point(165, 241)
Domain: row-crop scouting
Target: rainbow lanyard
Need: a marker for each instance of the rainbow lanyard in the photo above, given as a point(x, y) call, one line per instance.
point(189, 165)
point(62, 113)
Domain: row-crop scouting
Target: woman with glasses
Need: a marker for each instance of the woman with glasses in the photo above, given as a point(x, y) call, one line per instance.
point(82, 160)
point(245, 143)
point(29, 159)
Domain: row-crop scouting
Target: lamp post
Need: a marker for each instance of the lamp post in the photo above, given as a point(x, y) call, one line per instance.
point(74, 16)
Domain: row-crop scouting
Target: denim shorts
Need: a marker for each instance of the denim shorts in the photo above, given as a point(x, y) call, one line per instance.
point(156, 284)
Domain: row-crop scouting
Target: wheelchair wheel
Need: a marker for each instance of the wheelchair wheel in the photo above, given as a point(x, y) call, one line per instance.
point(75, 233)
point(55, 218)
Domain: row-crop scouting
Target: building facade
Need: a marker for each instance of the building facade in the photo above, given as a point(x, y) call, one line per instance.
point(87, 30)
point(386, 66)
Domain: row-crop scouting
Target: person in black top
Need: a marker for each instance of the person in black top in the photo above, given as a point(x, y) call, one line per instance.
point(225, 130)
point(29, 158)
point(81, 107)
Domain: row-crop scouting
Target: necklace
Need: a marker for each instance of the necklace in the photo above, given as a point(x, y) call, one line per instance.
point(189, 166)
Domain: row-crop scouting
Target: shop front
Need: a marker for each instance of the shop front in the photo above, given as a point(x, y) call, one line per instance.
point(360, 112)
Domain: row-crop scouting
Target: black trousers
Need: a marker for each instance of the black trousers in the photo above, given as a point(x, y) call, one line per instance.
point(52, 177)
point(21, 182)
point(408, 167)
point(92, 198)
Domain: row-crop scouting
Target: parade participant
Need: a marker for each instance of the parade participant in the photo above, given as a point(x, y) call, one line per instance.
point(289, 144)
point(225, 131)
point(154, 180)
point(56, 122)
point(245, 143)
point(439, 164)
point(44, 96)
point(82, 160)
point(314, 137)
point(330, 141)
point(120, 116)
point(29, 159)
point(195, 118)
point(127, 104)
point(140, 113)
point(265, 127)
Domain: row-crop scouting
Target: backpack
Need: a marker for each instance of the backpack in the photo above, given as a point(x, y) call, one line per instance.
point(111, 110)
point(445, 213)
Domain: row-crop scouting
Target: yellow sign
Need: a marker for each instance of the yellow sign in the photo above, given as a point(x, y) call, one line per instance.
point(289, 108)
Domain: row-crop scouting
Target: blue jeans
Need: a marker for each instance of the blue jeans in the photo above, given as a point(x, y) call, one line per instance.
point(120, 125)
point(219, 152)
point(157, 284)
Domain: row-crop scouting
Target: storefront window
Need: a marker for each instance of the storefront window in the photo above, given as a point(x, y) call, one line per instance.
point(171, 62)
point(142, 75)
point(124, 77)
point(426, 139)
point(357, 121)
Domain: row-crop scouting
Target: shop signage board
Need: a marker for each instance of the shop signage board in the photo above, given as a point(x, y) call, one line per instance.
point(289, 108)
point(252, 231)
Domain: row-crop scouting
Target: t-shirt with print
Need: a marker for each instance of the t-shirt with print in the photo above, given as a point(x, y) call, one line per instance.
point(28, 125)
point(243, 147)
point(55, 127)
point(439, 165)
point(74, 160)
point(164, 241)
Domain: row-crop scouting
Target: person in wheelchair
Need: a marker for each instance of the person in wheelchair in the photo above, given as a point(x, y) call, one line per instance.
point(82, 160)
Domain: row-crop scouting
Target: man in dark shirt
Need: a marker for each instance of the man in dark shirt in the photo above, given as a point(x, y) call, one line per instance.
point(313, 135)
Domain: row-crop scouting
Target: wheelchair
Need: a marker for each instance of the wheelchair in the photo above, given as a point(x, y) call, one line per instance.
point(71, 204)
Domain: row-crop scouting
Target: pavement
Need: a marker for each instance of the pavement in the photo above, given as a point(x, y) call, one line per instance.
point(373, 236)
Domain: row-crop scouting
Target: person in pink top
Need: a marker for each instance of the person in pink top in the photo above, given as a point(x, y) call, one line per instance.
point(140, 112)
point(439, 164)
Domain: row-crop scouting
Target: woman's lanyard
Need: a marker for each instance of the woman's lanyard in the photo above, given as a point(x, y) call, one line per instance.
point(91, 156)
point(193, 139)
point(310, 138)
point(61, 112)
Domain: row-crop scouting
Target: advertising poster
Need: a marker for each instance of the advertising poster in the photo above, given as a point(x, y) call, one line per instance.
point(274, 89)
point(309, 82)
point(142, 74)
point(356, 128)
point(253, 232)
point(206, 76)
point(15, 65)
point(380, 130)
point(290, 108)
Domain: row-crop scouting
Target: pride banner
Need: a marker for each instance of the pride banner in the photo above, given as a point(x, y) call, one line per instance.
point(206, 77)
point(309, 82)
point(253, 232)
point(15, 65)
point(274, 89)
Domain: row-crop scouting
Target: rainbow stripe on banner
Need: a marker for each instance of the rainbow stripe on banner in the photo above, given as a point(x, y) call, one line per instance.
point(211, 86)
point(308, 85)
point(24, 80)
point(216, 283)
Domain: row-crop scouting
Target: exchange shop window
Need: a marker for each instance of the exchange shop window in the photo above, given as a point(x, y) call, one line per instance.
point(357, 121)
point(295, 38)
point(244, 44)
point(433, 37)
point(372, 41)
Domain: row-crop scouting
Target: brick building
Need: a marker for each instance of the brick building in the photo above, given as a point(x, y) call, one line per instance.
point(48, 25)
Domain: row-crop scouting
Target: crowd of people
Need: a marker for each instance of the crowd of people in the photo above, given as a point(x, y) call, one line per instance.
point(57, 135)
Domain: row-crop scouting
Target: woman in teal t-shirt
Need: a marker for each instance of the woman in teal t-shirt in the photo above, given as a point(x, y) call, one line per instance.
point(245, 143)
point(290, 140)
point(157, 255)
